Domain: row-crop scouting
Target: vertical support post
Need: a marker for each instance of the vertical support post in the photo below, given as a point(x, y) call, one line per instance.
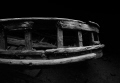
point(92, 35)
point(2, 39)
point(80, 43)
point(59, 37)
point(92, 38)
point(28, 42)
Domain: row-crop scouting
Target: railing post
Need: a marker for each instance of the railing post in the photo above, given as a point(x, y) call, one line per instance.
point(80, 43)
point(28, 41)
point(28, 38)
point(92, 38)
point(92, 35)
point(59, 37)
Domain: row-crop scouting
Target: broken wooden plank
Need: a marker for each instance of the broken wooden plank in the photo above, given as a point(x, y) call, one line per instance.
point(14, 41)
point(18, 42)
point(13, 48)
point(59, 37)
point(28, 41)
point(2, 39)
point(80, 43)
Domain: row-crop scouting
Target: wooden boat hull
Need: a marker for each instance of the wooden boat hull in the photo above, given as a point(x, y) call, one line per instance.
point(47, 41)
point(81, 55)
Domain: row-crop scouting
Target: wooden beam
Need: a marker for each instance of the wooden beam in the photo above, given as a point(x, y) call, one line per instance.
point(78, 26)
point(28, 41)
point(80, 43)
point(59, 37)
point(50, 51)
point(74, 49)
point(2, 39)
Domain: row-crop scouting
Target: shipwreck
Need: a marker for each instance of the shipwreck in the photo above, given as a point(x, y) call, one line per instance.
point(48, 41)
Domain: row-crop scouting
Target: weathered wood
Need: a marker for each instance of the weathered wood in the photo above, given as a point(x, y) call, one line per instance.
point(28, 41)
point(59, 37)
point(80, 43)
point(48, 62)
point(19, 26)
point(78, 26)
point(93, 41)
point(14, 41)
point(58, 50)
point(2, 39)
point(18, 42)
point(73, 49)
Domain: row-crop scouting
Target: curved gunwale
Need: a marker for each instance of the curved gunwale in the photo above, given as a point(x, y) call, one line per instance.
point(37, 18)
point(49, 62)
point(44, 18)
point(85, 27)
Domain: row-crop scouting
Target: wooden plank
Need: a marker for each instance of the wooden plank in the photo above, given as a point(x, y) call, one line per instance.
point(74, 49)
point(2, 40)
point(80, 43)
point(59, 37)
point(28, 41)
point(78, 26)
point(58, 50)
point(19, 25)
